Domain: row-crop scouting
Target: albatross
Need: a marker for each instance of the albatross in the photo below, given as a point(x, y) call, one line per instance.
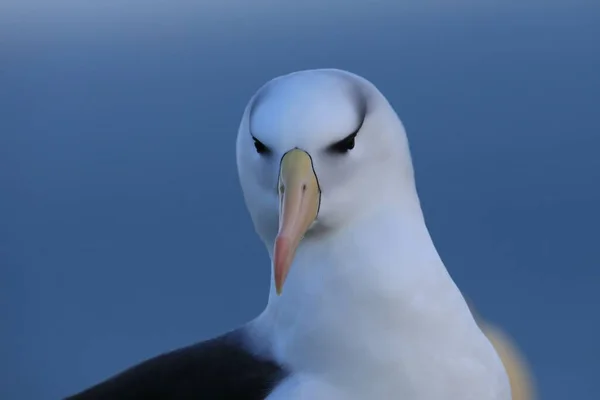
point(361, 305)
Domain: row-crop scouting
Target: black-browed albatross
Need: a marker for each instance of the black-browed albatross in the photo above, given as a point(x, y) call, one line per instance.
point(369, 311)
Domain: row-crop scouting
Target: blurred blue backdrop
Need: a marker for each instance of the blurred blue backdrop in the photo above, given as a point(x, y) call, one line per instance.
point(114, 117)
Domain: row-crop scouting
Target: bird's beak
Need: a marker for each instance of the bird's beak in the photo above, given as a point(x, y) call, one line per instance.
point(299, 198)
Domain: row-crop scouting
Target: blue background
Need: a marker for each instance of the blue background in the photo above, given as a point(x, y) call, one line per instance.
point(123, 232)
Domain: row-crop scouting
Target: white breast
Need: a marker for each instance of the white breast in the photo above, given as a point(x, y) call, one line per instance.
point(383, 332)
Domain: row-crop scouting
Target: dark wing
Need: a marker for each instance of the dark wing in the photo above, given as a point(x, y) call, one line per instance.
point(220, 368)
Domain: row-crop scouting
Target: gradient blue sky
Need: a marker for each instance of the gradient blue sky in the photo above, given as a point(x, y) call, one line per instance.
point(119, 194)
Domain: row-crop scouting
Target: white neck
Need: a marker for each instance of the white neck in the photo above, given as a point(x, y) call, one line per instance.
point(380, 304)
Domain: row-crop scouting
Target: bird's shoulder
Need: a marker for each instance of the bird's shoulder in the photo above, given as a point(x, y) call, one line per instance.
point(219, 368)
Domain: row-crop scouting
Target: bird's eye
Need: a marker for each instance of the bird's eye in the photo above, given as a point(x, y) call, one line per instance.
point(344, 145)
point(260, 147)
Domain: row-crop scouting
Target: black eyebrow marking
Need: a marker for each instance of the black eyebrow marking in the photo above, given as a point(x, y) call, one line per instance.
point(346, 144)
point(260, 147)
point(356, 91)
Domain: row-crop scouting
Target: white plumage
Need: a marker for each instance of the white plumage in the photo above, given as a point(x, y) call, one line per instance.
point(368, 310)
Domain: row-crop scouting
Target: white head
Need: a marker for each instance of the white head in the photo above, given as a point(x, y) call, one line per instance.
point(316, 149)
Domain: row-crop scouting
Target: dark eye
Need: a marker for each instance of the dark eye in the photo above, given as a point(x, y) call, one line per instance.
point(260, 147)
point(344, 145)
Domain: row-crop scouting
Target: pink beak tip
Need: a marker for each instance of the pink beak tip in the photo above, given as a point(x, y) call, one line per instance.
point(280, 257)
